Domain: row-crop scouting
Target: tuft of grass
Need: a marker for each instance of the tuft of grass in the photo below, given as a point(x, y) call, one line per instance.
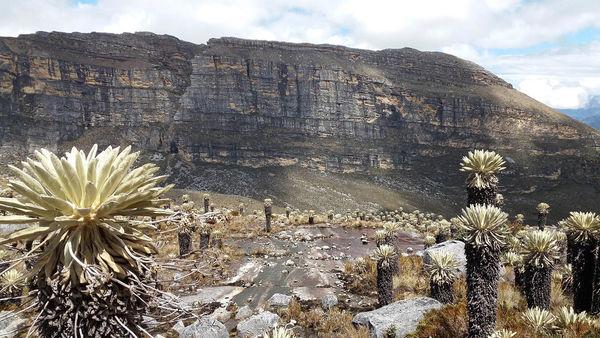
point(412, 279)
point(558, 299)
point(509, 298)
point(334, 323)
point(361, 276)
point(448, 322)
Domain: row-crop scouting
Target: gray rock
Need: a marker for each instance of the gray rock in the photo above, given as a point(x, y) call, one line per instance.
point(328, 301)
point(257, 324)
point(306, 96)
point(456, 247)
point(404, 315)
point(205, 327)
point(279, 300)
point(211, 294)
point(243, 313)
point(221, 314)
point(178, 327)
point(10, 324)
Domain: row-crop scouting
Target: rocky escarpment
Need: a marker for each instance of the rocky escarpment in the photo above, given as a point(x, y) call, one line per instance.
point(392, 114)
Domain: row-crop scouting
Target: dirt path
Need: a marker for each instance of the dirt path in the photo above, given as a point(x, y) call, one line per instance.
point(305, 262)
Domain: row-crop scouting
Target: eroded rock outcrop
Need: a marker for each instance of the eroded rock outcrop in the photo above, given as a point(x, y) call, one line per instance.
point(255, 104)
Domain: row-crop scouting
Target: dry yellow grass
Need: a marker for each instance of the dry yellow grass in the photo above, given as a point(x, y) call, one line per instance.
point(334, 323)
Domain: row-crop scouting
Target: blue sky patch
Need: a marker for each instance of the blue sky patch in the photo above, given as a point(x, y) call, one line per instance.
point(86, 2)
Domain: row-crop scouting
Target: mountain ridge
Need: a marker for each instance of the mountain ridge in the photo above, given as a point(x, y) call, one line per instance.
point(399, 116)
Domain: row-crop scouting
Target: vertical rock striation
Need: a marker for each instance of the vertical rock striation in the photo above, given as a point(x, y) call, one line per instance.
point(257, 103)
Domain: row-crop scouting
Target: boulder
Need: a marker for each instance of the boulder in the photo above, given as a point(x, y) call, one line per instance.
point(404, 315)
point(205, 327)
point(454, 246)
point(257, 325)
point(279, 300)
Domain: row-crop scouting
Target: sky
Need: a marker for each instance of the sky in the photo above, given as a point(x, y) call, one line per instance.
point(548, 49)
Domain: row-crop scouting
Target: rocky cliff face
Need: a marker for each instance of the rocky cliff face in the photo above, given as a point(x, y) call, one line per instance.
point(256, 104)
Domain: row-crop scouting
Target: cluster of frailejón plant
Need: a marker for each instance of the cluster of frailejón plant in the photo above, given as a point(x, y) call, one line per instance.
point(504, 333)
point(484, 232)
point(442, 266)
point(540, 321)
point(11, 281)
point(77, 201)
point(582, 229)
point(482, 166)
point(581, 226)
point(280, 332)
point(540, 251)
point(385, 255)
point(570, 323)
point(540, 248)
point(484, 225)
point(90, 257)
point(443, 270)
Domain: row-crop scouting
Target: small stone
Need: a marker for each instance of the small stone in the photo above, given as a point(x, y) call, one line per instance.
point(177, 276)
point(178, 327)
point(243, 313)
point(328, 301)
point(205, 327)
point(279, 300)
point(221, 314)
point(289, 262)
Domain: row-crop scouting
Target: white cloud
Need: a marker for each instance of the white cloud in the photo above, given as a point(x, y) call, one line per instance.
point(467, 28)
point(561, 78)
point(553, 92)
point(464, 51)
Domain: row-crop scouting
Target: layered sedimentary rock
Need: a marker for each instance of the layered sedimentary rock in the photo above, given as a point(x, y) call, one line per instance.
point(255, 104)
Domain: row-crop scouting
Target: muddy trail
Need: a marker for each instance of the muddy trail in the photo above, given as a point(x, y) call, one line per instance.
point(305, 262)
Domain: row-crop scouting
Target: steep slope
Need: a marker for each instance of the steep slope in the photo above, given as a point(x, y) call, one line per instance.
point(251, 116)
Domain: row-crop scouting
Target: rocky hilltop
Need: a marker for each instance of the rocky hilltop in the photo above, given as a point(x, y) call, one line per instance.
point(273, 118)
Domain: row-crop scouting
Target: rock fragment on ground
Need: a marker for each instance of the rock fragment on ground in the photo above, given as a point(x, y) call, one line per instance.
point(404, 315)
point(279, 300)
point(328, 301)
point(205, 327)
point(257, 325)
